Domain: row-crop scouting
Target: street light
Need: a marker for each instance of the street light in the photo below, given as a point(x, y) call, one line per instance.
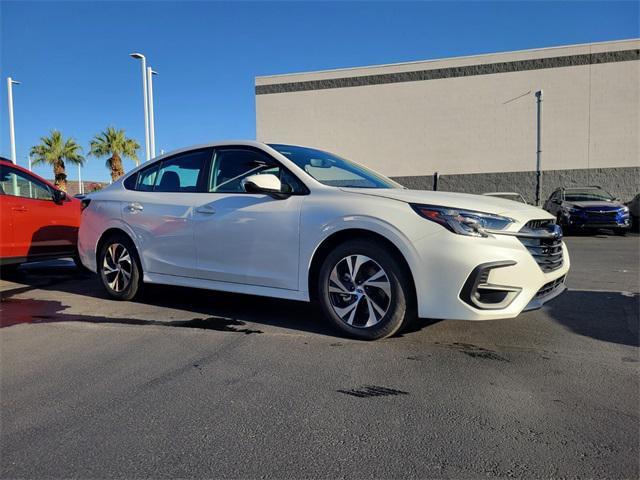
point(152, 124)
point(12, 132)
point(144, 92)
point(80, 185)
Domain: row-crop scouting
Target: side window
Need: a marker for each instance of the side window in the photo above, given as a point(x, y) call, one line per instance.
point(130, 182)
point(232, 165)
point(182, 172)
point(19, 184)
point(146, 178)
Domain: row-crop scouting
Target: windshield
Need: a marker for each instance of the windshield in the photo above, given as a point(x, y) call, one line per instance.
point(332, 170)
point(587, 195)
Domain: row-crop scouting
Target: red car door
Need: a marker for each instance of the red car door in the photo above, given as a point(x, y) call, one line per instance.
point(40, 227)
point(7, 247)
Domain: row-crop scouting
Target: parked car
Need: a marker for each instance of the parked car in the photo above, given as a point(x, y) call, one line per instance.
point(516, 197)
point(298, 223)
point(634, 212)
point(588, 208)
point(38, 221)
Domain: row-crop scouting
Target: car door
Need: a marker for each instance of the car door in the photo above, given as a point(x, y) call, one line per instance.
point(40, 227)
point(159, 208)
point(244, 237)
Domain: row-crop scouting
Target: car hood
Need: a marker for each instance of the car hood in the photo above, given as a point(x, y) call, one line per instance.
point(594, 205)
point(499, 206)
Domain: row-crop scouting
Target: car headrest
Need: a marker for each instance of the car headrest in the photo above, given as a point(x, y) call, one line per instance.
point(170, 181)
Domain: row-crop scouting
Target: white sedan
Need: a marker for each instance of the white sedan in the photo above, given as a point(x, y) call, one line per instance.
point(303, 224)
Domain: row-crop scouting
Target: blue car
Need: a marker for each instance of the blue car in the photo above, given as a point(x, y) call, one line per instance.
point(582, 208)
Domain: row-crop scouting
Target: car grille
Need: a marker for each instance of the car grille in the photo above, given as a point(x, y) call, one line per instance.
point(537, 224)
point(546, 250)
point(602, 216)
point(547, 288)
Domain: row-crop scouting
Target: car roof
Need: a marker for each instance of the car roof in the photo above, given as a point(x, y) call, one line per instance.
point(501, 193)
point(221, 143)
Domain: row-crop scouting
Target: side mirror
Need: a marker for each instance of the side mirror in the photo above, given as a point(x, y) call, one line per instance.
point(266, 183)
point(59, 196)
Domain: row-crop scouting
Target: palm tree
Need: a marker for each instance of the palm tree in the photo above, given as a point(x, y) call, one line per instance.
point(114, 144)
point(54, 150)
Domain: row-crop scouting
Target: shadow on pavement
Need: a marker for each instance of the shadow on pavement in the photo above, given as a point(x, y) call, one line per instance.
point(606, 316)
point(20, 311)
point(212, 310)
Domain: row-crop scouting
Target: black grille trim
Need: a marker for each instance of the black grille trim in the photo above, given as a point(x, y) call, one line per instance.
point(548, 288)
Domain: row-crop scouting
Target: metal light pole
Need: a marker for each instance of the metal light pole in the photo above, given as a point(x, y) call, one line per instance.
point(152, 124)
point(146, 101)
point(12, 132)
point(539, 148)
point(80, 186)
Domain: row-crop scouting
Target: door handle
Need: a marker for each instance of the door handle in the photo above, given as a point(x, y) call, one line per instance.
point(135, 207)
point(206, 209)
point(19, 209)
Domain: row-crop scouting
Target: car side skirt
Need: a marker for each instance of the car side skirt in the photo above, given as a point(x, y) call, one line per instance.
point(163, 279)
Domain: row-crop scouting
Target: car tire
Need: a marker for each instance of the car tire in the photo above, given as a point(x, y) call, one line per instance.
point(620, 231)
point(365, 291)
point(9, 271)
point(560, 221)
point(119, 267)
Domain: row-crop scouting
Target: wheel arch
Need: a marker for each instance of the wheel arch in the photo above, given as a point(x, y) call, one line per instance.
point(114, 231)
point(343, 235)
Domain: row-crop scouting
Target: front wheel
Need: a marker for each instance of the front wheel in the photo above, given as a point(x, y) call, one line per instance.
point(365, 291)
point(119, 268)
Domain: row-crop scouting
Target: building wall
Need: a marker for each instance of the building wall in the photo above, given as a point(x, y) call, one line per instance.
point(623, 182)
point(471, 115)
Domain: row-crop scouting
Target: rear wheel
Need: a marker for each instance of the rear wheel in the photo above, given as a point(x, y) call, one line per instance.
point(119, 268)
point(365, 291)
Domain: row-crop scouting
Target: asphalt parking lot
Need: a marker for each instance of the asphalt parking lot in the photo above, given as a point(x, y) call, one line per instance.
point(189, 383)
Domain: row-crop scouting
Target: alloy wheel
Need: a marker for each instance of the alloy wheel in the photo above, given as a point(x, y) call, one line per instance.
point(117, 267)
point(359, 291)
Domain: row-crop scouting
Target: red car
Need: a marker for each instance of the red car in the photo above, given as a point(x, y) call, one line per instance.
point(37, 220)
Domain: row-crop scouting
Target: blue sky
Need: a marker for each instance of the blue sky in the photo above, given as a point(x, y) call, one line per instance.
point(72, 58)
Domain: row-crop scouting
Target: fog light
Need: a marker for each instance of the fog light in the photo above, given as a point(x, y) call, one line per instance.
point(479, 293)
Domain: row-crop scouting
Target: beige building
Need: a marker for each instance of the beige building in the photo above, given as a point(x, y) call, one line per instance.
point(472, 119)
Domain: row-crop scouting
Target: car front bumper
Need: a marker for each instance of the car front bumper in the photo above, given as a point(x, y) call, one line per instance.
point(587, 219)
point(453, 281)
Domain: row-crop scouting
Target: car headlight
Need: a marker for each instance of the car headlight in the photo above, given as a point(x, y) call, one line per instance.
point(463, 222)
point(573, 210)
point(624, 209)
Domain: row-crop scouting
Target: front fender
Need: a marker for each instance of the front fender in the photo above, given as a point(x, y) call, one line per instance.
point(311, 242)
